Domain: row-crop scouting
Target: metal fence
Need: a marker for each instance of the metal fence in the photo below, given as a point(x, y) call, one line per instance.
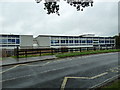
point(39, 51)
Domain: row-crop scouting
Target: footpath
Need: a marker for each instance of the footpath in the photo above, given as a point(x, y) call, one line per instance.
point(14, 61)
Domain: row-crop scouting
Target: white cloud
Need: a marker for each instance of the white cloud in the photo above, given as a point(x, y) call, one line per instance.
point(30, 18)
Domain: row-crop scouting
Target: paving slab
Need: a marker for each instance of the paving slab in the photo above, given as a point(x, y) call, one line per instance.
point(13, 61)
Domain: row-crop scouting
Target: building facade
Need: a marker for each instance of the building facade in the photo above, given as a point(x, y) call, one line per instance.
point(8, 41)
point(89, 40)
point(52, 41)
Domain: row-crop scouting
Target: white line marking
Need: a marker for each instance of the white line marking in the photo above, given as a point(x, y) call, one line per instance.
point(64, 83)
point(36, 65)
point(9, 69)
point(33, 74)
point(66, 79)
point(104, 81)
point(97, 76)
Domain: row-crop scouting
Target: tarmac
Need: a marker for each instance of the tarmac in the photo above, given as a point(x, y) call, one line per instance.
point(14, 61)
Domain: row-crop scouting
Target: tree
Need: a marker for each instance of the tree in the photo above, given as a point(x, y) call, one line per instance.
point(117, 39)
point(52, 7)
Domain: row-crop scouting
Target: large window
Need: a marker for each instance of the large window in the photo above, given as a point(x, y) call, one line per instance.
point(70, 41)
point(101, 41)
point(107, 41)
point(89, 41)
point(112, 41)
point(76, 41)
point(62, 41)
point(11, 41)
point(4, 41)
point(66, 41)
point(54, 41)
point(83, 41)
point(17, 41)
point(79, 41)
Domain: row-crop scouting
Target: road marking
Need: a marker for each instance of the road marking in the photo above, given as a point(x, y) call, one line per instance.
point(115, 69)
point(9, 69)
point(36, 65)
point(21, 65)
point(64, 83)
point(94, 77)
point(104, 81)
point(97, 76)
point(32, 74)
point(16, 78)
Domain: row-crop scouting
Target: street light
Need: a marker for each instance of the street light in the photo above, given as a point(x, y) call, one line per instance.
point(52, 7)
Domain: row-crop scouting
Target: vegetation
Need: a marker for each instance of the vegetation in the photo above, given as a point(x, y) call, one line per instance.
point(117, 39)
point(114, 85)
point(53, 7)
point(70, 54)
point(62, 55)
point(0, 58)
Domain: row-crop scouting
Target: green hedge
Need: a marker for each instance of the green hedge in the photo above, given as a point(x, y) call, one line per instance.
point(62, 55)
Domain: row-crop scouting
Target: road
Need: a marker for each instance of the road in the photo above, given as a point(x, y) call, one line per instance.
point(74, 72)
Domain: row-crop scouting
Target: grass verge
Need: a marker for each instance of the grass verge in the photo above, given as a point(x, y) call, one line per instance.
point(114, 85)
point(70, 54)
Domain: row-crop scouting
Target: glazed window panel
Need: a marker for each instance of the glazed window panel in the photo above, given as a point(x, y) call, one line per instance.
point(17, 41)
point(4, 41)
point(70, 41)
point(76, 41)
point(62, 41)
point(89, 41)
point(83, 41)
point(101, 41)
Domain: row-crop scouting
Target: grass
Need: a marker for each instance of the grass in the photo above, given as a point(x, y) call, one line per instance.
point(0, 58)
point(70, 54)
point(114, 85)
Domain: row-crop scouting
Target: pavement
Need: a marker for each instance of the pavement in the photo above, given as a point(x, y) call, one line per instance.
point(73, 72)
point(14, 61)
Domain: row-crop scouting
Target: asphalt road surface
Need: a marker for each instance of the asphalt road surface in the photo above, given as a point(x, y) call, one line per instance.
point(74, 72)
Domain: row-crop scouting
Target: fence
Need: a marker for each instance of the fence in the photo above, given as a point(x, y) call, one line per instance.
point(39, 51)
point(6, 52)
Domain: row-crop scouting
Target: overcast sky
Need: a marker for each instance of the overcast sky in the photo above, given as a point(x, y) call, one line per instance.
point(28, 17)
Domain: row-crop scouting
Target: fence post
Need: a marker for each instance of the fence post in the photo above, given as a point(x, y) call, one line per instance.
point(87, 48)
point(80, 49)
point(26, 53)
point(17, 52)
point(94, 48)
point(14, 51)
point(106, 48)
point(52, 51)
point(40, 52)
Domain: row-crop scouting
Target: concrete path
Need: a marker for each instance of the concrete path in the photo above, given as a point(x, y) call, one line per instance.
point(13, 61)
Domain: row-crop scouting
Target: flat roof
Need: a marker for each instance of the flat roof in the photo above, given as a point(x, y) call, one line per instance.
point(70, 36)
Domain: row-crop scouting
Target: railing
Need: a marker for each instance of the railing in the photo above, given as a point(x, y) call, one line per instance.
point(39, 51)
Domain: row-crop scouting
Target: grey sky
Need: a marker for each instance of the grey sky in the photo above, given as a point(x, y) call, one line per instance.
point(30, 18)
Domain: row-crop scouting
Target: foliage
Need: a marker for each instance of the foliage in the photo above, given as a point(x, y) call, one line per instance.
point(85, 53)
point(115, 85)
point(52, 7)
point(117, 39)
